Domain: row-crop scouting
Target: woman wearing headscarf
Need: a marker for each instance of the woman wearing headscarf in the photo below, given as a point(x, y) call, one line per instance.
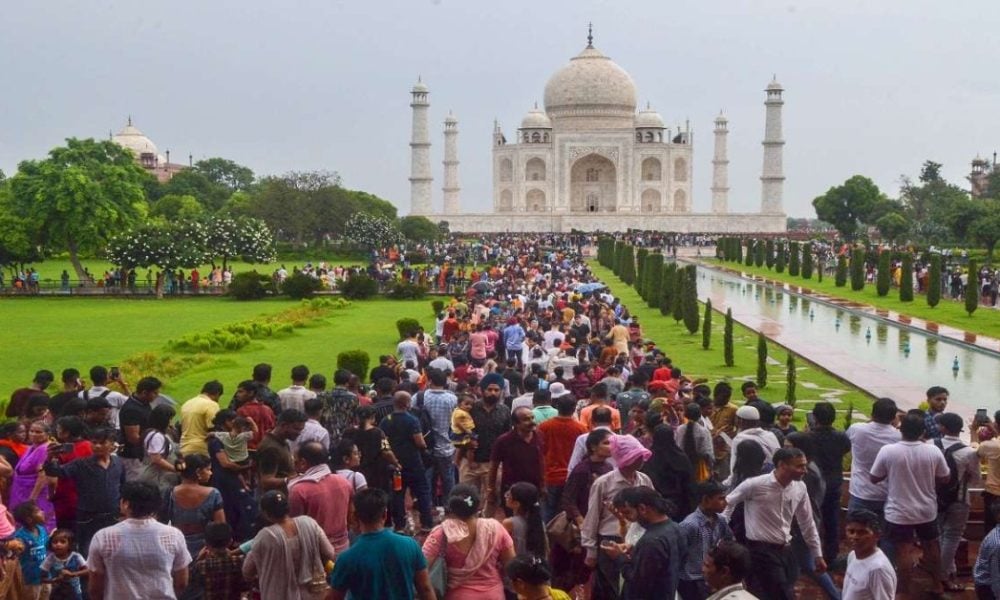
point(601, 525)
point(670, 470)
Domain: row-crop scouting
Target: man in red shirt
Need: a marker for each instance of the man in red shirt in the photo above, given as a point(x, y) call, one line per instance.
point(558, 438)
point(18, 406)
point(252, 408)
point(321, 494)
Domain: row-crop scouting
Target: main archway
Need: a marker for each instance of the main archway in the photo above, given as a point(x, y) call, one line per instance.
point(593, 185)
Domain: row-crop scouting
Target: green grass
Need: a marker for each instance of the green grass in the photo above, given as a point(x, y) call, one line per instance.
point(814, 384)
point(55, 333)
point(985, 321)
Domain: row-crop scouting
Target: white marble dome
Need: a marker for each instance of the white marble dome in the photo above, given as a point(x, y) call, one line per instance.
point(536, 119)
point(648, 118)
point(590, 85)
point(131, 138)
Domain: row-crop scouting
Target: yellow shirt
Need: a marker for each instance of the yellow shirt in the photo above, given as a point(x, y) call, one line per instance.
point(196, 421)
point(990, 450)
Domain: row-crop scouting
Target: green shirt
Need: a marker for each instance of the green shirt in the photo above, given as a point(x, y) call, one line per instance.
point(380, 565)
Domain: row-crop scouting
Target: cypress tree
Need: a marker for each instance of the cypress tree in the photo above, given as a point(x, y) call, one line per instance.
point(706, 325)
point(727, 338)
point(640, 280)
point(738, 246)
point(883, 277)
point(667, 282)
point(819, 269)
point(934, 282)
point(760, 249)
point(780, 258)
point(761, 361)
point(680, 290)
point(840, 279)
point(690, 301)
point(790, 389)
point(616, 259)
point(769, 253)
point(906, 279)
point(654, 273)
point(793, 259)
point(972, 289)
point(807, 261)
point(628, 265)
point(750, 251)
point(858, 269)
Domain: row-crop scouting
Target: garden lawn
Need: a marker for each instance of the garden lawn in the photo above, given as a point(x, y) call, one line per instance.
point(55, 333)
point(814, 384)
point(984, 321)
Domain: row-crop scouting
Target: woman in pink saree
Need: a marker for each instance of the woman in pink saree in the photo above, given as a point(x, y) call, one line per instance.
point(475, 550)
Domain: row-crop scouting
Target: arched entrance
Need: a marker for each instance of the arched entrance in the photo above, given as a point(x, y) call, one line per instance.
point(593, 185)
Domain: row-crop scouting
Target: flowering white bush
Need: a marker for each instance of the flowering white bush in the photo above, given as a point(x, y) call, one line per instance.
point(371, 232)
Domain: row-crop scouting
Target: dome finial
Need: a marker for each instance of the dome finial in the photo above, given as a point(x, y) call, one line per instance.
point(130, 120)
point(590, 35)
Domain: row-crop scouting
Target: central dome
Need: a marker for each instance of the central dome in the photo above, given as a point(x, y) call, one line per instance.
point(591, 85)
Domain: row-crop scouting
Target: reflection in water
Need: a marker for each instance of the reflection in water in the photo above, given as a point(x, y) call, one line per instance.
point(904, 341)
point(932, 350)
point(881, 332)
point(855, 322)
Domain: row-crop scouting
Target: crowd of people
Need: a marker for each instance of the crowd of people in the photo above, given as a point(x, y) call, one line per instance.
point(535, 445)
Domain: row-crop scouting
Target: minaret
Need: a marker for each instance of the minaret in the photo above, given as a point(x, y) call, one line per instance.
point(420, 153)
point(772, 177)
point(720, 168)
point(451, 189)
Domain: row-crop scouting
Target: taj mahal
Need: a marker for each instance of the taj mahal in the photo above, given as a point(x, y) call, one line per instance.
point(588, 160)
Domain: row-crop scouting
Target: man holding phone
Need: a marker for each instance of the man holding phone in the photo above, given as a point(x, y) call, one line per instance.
point(101, 378)
point(134, 419)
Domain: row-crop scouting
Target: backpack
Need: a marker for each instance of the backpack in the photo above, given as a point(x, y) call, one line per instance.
point(953, 490)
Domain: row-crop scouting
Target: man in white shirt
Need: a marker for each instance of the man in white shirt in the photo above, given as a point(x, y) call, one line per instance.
point(748, 425)
point(99, 389)
point(866, 440)
point(771, 502)
point(314, 430)
point(911, 468)
point(553, 338)
point(409, 350)
point(869, 574)
point(295, 395)
point(954, 510)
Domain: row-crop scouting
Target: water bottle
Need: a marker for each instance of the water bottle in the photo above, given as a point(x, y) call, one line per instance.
point(397, 481)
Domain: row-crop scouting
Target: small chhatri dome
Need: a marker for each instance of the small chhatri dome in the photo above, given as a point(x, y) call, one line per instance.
point(131, 138)
point(450, 118)
point(648, 118)
point(420, 86)
point(774, 86)
point(536, 119)
point(721, 118)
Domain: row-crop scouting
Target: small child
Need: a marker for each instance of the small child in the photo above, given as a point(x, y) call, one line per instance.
point(462, 427)
point(63, 567)
point(31, 532)
point(235, 442)
point(221, 571)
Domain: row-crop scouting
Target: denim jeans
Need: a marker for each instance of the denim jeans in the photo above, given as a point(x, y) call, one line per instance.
point(952, 523)
point(416, 482)
point(443, 467)
point(553, 498)
point(877, 507)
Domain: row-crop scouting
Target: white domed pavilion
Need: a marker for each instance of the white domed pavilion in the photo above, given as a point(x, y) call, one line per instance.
point(146, 153)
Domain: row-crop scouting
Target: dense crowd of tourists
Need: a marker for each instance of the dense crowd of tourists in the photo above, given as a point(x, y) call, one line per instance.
point(535, 445)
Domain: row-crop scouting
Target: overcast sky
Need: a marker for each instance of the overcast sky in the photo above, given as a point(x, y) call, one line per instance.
point(872, 87)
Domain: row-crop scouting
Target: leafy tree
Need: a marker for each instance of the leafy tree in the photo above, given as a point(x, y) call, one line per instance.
point(192, 182)
point(930, 198)
point(727, 338)
point(849, 205)
point(934, 281)
point(893, 226)
point(906, 278)
point(80, 196)
point(419, 229)
point(761, 361)
point(962, 214)
point(18, 235)
point(793, 259)
point(244, 237)
point(972, 289)
point(769, 253)
point(690, 300)
point(807, 261)
point(654, 279)
point(790, 398)
point(986, 230)
point(371, 232)
point(781, 258)
point(177, 208)
point(628, 264)
point(166, 246)
point(840, 278)
point(706, 325)
point(883, 277)
point(227, 173)
point(857, 269)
